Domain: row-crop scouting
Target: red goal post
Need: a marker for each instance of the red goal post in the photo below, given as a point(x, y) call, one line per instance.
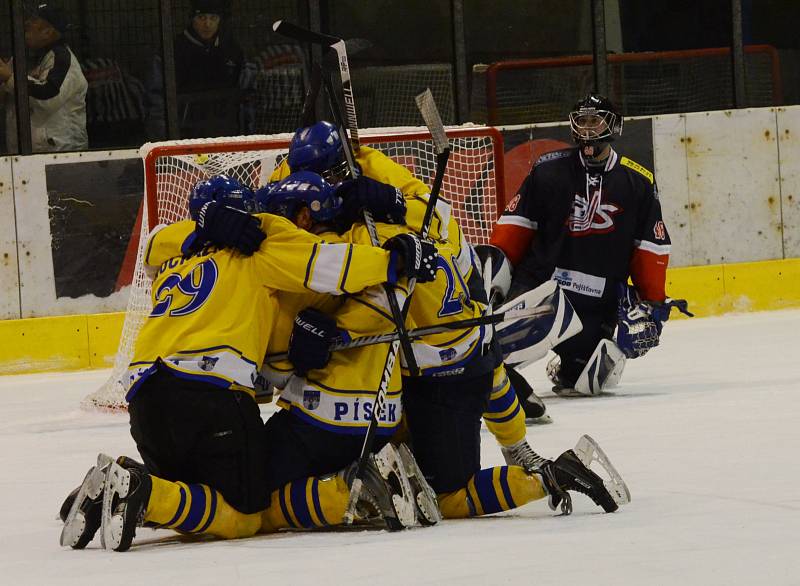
point(473, 184)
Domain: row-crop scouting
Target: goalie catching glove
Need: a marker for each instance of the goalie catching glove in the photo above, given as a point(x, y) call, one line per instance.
point(412, 257)
point(228, 227)
point(640, 322)
point(310, 343)
point(385, 202)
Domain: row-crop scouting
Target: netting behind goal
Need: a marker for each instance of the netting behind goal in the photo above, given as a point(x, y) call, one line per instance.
point(641, 84)
point(473, 184)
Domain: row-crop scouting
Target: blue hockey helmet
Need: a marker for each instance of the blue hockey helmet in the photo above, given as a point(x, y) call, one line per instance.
point(319, 148)
point(301, 189)
point(224, 189)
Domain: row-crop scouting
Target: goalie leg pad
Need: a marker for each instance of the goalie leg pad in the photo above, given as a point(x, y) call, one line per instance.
point(603, 370)
point(527, 340)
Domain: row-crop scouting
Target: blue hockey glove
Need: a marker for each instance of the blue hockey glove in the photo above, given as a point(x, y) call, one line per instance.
point(383, 201)
point(412, 257)
point(227, 227)
point(310, 343)
point(640, 323)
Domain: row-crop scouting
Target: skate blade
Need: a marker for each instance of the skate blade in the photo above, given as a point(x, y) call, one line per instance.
point(91, 488)
point(389, 465)
point(427, 503)
point(543, 420)
point(588, 451)
point(117, 484)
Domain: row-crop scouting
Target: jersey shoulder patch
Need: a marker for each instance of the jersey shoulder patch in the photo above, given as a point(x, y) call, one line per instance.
point(637, 167)
point(553, 156)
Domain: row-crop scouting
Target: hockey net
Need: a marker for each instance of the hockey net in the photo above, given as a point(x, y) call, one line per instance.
point(473, 184)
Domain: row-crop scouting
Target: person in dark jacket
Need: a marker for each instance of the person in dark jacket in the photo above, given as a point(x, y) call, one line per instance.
point(208, 62)
point(207, 66)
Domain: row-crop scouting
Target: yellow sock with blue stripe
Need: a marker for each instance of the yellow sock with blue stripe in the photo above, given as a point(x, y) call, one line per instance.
point(492, 490)
point(197, 508)
point(504, 417)
point(307, 503)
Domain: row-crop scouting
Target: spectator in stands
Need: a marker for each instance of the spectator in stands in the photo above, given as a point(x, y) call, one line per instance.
point(207, 66)
point(208, 62)
point(56, 86)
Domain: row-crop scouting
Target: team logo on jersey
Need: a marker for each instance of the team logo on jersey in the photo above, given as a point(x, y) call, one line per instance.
point(512, 205)
point(660, 230)
point(591, 216)
point(208, 362)
point(311, 399)
point(447, 354)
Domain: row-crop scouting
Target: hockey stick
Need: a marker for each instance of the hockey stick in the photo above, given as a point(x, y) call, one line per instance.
point(529, 314)
point(309, 115)
point(351, 147)
point(353, 144)
point(427, 108)
point(298, 33)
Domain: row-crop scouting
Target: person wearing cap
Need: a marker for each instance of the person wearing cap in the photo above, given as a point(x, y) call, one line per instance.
point(207, 66)
point(56, 86)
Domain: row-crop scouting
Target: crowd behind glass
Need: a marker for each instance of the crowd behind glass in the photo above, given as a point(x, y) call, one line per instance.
point(96, 73)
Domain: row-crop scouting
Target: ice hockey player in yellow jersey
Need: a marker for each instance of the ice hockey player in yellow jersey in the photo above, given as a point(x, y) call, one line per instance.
point(190, 384)
point(391, 190)
point(326, 402)
point(444, 410)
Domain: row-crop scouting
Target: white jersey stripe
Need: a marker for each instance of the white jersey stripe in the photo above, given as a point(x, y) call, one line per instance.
point(661, 249)
point(326, 274)
point(517, 221)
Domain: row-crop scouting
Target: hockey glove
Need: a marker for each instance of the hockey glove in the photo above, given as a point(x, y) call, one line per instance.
point(228, 227)
point(311, 339)
point(383, 201)
point(640, 322)
point(412, 257)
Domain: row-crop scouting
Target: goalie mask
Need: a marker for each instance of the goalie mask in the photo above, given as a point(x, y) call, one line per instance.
point(594, 122)
point(319, 148)
point(302, 189)
point(224, 189)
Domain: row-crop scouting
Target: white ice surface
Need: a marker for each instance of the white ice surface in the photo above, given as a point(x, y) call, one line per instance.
point(705, 430)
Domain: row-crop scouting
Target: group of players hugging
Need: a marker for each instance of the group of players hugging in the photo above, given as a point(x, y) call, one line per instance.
point(288, 271)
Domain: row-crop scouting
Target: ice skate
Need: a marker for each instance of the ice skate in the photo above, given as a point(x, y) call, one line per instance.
point(589, 452)
point(566, 473)
point(385, 491)
point(124, 461)
point(82, 509)
point(125, 498)
point(428, 512)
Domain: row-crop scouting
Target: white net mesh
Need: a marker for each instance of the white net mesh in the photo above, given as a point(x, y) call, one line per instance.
point(171, 169)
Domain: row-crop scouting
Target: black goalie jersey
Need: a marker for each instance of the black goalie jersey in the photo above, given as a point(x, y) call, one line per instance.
point(587, 228)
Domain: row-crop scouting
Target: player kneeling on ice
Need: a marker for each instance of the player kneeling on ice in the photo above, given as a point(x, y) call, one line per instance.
point(326, 399)
point(445, 402)
point(319, 148)
point(190, 384)
point(588, 219)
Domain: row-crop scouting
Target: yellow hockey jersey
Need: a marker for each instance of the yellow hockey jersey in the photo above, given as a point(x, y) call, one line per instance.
point(213, 311)
point(446, 299)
